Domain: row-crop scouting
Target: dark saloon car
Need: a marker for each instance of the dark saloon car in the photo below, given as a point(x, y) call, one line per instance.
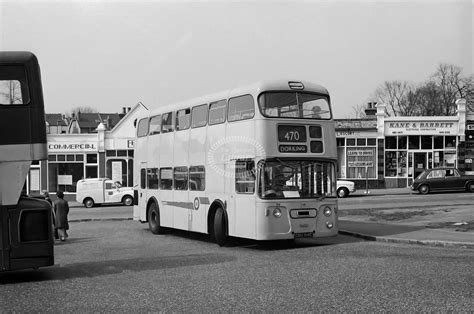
point(443, 179)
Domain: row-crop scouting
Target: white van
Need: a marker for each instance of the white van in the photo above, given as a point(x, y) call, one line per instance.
point(103, 190)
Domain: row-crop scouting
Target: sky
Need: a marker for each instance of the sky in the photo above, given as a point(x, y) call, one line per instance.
point(113, 54)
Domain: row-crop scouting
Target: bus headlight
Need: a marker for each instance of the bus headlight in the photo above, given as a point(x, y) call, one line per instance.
point(327, 211)
point(277, 212)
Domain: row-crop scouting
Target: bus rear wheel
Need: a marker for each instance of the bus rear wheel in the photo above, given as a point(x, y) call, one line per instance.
point(154, 220)
point(220, 227)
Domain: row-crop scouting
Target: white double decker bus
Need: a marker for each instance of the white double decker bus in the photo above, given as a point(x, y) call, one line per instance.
point(256, 162)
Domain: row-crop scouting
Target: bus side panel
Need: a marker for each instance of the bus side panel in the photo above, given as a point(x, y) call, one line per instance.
point(197, 157)
point(166, 157)
point(182, 206)
point(140, 153)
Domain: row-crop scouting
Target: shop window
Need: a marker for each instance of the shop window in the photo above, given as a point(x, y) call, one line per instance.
point(121, 153)
point(414, 142)
point(91, 158)
point(357, 158)
point(111, 153)
point(402, 164)
point(402, 142)
point(361, 142)
point(52, 157)
point(91, 172)
point(390, 164)
point(183, 119)
point(245, 176)
point(166, 178)
point(426, 142)
point(217, 112)
point(79, 157)
point(130, 153)
point(199, 116)
point(390, 142)
point(197, 178)
point(181, 178)
point(438, 142)
point(61, 157)
point(350, 141)
point(153, 178)
point(450, 141)
point(341, 141)
point(116, 169)
point(69, 157)
point(241, 108)
point(371, 141)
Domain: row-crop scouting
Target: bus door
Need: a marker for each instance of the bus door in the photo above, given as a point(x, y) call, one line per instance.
point(142, 191)
point(244, 198)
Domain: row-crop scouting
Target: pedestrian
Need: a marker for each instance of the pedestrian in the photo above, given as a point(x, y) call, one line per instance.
point(48, 199)
point(61, 210)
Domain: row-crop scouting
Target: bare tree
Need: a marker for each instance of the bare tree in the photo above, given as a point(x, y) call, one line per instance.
point(83, 109)
point(399, 96)
point(358, 111)
point(452, 85)
point(10, 92)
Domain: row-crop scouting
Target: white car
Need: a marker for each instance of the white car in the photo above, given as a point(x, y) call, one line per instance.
point(344, 188)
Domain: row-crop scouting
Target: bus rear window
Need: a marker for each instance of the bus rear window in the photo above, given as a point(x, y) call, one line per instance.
point(295, 105)
point(13, 86)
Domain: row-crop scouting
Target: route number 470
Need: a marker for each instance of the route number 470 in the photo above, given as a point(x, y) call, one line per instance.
point(292, 136)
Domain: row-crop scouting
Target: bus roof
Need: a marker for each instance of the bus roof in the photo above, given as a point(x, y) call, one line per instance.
point(23, 57)
point(256, 87)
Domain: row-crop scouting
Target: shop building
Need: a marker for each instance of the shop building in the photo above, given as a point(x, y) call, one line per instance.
point(74, 156)
point(388, 152)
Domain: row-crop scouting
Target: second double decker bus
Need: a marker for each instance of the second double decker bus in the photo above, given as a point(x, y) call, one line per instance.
point(256, 162)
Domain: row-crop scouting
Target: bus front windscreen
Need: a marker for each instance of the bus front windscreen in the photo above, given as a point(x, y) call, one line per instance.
point(279, 178)
point(296, 105)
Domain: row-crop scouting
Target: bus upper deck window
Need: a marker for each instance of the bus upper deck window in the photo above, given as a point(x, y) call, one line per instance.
point(13, 86)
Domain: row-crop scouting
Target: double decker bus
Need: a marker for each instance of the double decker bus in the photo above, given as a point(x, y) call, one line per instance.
point(256, 162)
point(26, 239)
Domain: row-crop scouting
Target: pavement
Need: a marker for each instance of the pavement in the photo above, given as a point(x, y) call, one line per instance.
point(373, 231)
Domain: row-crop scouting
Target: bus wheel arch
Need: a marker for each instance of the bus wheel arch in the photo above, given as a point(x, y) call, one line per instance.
point(218, 223)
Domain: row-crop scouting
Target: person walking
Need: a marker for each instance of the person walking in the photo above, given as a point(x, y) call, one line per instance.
point(48, 199)
point(61, 210)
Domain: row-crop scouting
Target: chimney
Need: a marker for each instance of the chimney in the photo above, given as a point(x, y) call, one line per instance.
point(129, 108)
point(371, 110)
point(124, 110)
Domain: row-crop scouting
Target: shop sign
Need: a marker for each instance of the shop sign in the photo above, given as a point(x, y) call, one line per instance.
point(71, 147)
point(470, 127)
point(360, 163)
point(420, 128)
point(130, 144)
point(360, 152)
point(65, 179)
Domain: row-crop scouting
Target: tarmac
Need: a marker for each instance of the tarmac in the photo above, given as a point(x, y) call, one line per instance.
point(372, 231)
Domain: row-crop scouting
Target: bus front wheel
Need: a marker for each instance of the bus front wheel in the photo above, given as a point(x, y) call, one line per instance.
point(220, 227)
point(154, 220)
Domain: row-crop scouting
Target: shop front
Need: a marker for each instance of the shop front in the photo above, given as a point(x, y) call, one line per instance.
point(391, 152)
point(72, 157)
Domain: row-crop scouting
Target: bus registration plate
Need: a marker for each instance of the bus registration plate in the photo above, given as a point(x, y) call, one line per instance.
point(304, 235)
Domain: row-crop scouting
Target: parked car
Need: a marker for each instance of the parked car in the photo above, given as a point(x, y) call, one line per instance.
point(443, 179)
point(344, 188)
point(98, 191)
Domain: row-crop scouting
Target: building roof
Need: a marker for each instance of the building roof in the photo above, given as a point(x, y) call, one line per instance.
point(88, 120)
point(55, 119)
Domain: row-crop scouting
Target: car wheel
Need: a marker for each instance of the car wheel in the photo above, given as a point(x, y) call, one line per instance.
point(470, 187)
point(220, 227)
point(154, 219)
point(424, 189)
point(127, 200)
point(342, 192)
point(89, 202)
